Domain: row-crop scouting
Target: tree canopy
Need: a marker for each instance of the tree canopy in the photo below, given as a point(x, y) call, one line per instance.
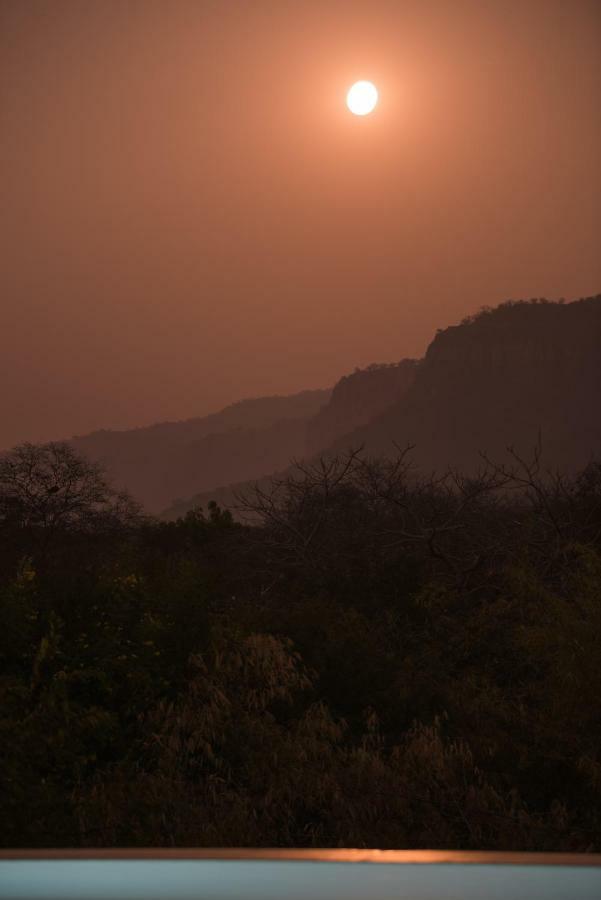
point(372, 660)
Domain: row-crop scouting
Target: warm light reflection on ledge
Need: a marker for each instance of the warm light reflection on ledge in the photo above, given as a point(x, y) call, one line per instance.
point(253, 874)
point(430, 857)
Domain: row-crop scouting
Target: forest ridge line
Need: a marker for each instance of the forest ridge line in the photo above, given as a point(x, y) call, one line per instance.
point(506, 375)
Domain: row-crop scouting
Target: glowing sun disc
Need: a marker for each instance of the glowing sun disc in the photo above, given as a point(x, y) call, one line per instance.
point(362, 98)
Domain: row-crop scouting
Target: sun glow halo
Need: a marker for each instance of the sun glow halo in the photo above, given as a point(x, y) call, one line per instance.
point(362, 98)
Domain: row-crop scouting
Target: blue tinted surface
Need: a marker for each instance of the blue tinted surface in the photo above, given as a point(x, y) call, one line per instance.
point(293, 880)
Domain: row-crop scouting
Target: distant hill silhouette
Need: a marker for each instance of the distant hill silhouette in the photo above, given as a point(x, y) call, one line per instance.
point(248, 439)
point(502, 377)
point(357, 398)
point(510, 376)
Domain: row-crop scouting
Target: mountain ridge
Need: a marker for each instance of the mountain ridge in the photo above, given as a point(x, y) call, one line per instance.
point(521, 373)
point(158, 463)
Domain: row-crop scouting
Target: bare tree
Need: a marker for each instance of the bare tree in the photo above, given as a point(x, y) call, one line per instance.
point(49, 487)
point(462, 526)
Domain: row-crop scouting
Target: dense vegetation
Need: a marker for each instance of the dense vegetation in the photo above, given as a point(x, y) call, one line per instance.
point(373, 659)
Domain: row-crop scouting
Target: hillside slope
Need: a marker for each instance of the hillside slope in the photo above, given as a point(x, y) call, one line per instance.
point(357, 398)
point(509, 376)
point(502, 378)
point(161, 462)
point(354, 401)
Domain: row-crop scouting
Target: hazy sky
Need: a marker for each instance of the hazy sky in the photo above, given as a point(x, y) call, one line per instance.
point(191, 215)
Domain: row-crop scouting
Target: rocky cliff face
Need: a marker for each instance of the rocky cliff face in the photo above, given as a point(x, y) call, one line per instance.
point(510, 376)
point(503, 378)
point(358, 398)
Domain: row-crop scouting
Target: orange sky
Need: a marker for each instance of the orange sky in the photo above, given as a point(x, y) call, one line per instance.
point(191, 215)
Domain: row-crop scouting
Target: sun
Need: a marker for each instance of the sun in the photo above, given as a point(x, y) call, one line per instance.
point(362, 98)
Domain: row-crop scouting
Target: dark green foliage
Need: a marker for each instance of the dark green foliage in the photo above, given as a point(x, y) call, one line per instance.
point(374, 661)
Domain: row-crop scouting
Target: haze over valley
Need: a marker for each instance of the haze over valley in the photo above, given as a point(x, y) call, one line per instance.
point(516, 375)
